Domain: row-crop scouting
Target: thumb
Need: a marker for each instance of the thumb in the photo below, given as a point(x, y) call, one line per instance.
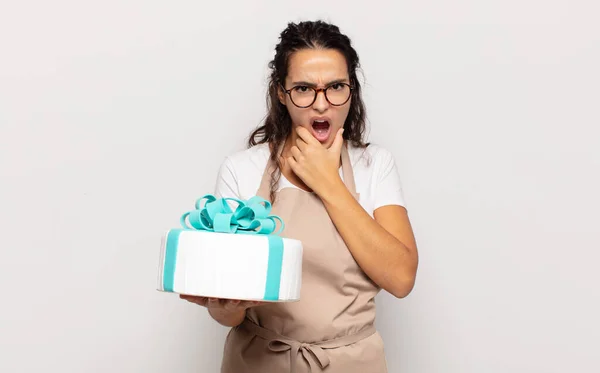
point(336, 147)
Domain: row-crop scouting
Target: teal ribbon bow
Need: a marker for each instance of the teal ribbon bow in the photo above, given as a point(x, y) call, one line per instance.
point(250, 217)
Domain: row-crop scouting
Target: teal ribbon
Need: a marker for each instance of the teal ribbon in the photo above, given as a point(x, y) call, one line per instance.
point(250, 217)
point(216, 215)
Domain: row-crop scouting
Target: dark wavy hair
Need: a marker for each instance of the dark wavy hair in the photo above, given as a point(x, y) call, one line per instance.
point(277, 124)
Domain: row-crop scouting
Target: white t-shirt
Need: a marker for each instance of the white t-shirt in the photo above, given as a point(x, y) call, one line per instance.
point(375, 174)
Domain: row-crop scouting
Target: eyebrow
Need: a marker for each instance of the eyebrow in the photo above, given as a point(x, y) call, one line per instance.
point(303, 83)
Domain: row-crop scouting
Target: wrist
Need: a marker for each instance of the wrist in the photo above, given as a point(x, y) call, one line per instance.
point(333, 191)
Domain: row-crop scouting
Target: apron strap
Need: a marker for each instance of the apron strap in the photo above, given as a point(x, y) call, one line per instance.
point(264, 189)
point(347, 170)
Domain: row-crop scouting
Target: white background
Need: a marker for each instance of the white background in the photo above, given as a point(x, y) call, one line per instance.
point(115, 115)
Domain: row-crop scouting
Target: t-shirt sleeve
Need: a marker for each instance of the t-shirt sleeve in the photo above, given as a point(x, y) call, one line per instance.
point(388, 185)
point(226, 185)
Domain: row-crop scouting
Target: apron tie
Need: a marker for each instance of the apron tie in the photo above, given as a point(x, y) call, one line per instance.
point(309, 352)
point(313, 353)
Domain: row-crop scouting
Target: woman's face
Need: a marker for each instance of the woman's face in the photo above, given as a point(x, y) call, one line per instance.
point(318, 68)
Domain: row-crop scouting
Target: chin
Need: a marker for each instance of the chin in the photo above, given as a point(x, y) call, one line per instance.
point(328, 143)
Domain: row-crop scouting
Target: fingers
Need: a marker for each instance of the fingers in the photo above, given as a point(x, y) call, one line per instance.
point(336, 147)
point(201, 301)
point(301, 144)
point(228, 304)
point(306, 136)
point(232, 304)
point(235, 304)
point(214, 303)
point(296, 153)
point(250, 304)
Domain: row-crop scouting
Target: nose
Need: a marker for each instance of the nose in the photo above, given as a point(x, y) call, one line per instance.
point(321, 104)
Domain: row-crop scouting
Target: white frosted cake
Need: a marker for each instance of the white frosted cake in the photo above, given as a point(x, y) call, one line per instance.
point(234, 254)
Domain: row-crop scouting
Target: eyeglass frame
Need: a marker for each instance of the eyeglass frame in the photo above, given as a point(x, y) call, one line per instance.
point(317, 91)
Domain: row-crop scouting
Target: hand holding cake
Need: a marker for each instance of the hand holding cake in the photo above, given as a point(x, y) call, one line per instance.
point(225, 304)
point(227, 312)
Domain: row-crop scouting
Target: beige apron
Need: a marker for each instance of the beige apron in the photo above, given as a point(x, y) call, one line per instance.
point(331, 329)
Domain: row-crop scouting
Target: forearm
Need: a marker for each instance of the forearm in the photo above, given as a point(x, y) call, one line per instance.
point(227, 317)
point(384, 258)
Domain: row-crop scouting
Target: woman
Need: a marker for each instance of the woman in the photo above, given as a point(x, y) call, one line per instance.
point(341, 197)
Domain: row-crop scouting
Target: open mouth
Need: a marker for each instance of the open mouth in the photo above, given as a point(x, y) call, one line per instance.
point(321, 130)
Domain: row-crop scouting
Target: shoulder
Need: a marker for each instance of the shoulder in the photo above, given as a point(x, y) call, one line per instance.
point(247, 159)
point(373, 157)
point(377, 177)
point(240, 172)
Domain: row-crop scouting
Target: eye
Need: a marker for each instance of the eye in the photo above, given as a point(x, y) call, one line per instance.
point(337, 86)
point(301, 89)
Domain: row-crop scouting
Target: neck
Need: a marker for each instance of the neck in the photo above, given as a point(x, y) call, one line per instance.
point(289, 142)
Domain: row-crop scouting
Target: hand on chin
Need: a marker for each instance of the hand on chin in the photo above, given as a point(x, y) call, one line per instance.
point(315, 163)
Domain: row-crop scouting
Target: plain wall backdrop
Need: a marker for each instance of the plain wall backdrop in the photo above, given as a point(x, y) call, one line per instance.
point(115, 115)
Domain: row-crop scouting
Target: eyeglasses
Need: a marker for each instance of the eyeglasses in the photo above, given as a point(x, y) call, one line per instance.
point(303, 96)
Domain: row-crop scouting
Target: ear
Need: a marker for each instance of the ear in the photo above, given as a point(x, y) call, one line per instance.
point(281, 95)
